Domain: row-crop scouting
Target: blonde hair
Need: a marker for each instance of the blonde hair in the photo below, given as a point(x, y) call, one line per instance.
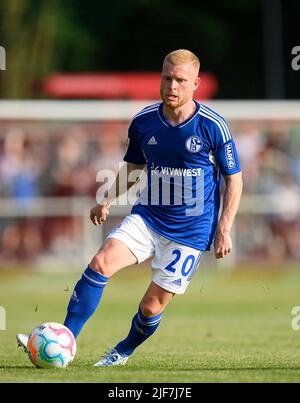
point(182, 56)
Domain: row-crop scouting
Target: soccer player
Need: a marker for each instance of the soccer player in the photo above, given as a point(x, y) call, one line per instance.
point(185, 149)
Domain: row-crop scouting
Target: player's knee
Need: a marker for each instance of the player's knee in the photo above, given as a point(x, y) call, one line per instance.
point(150, 309)
point(100, 264)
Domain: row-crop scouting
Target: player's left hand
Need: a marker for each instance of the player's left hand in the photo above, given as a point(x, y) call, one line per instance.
point(222, 244)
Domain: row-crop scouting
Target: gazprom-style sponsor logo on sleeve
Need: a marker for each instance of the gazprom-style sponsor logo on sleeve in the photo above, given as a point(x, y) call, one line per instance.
point(193, 144)
point(229, 156)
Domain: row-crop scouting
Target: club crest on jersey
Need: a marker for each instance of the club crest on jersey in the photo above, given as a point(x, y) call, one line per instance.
point(193, 144)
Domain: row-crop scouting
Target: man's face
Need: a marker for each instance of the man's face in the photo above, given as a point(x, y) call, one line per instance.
point(178, 83)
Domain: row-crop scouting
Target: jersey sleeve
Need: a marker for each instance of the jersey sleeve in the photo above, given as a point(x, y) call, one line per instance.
point(225, 150)
point(134, 152)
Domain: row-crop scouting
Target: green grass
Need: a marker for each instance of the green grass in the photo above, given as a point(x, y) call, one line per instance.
point(228, 327)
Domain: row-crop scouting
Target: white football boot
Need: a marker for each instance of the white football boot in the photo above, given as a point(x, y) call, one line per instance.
point(112, 358)
point(22, 340)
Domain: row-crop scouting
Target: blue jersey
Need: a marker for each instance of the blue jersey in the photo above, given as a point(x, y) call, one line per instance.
point(184, 163)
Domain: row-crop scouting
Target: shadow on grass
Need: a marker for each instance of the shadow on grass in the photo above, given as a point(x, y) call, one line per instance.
point(201, 369)
point(16, 367)
point(244, 369)
point(133, 368)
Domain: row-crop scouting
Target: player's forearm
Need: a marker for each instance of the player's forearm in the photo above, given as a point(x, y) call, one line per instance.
point(121, 184)
point(231, 201)
point(119, 187)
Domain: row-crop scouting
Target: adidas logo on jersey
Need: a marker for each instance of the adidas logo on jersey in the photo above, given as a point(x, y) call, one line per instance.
point(152, 141)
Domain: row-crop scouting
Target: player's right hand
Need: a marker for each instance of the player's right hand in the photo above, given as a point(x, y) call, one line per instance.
point(99, 213)
point(222, 244)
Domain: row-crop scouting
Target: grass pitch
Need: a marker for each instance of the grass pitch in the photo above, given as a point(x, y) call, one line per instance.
point(228, 327)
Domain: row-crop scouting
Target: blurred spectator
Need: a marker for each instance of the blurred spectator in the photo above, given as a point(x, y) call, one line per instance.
point(70, 167)
point(268, 162)
point(249, 143)
point(19, 172)
point(18, 169)
point(293, 147)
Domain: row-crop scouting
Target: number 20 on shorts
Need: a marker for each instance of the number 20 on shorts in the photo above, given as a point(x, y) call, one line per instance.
point(187, 265)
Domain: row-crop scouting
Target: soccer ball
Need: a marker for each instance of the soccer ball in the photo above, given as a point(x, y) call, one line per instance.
point(51, 345)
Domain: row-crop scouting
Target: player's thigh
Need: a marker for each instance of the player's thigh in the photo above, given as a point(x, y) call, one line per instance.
point(113, 256)
point(155, 300)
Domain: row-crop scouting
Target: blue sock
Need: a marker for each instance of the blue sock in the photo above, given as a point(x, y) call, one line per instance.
point(141, 329)
point(85, 300)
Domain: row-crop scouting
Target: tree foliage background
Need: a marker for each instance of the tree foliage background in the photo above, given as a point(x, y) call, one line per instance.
point(46, 36)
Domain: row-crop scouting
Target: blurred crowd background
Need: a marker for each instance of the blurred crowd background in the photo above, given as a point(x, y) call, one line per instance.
point(62, 160)
point(245, 52)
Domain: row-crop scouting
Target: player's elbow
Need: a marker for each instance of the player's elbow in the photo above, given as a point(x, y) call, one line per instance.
point(239, 180)
point(235, 180)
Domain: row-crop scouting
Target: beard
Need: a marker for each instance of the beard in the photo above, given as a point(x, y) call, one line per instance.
point(176, 102)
